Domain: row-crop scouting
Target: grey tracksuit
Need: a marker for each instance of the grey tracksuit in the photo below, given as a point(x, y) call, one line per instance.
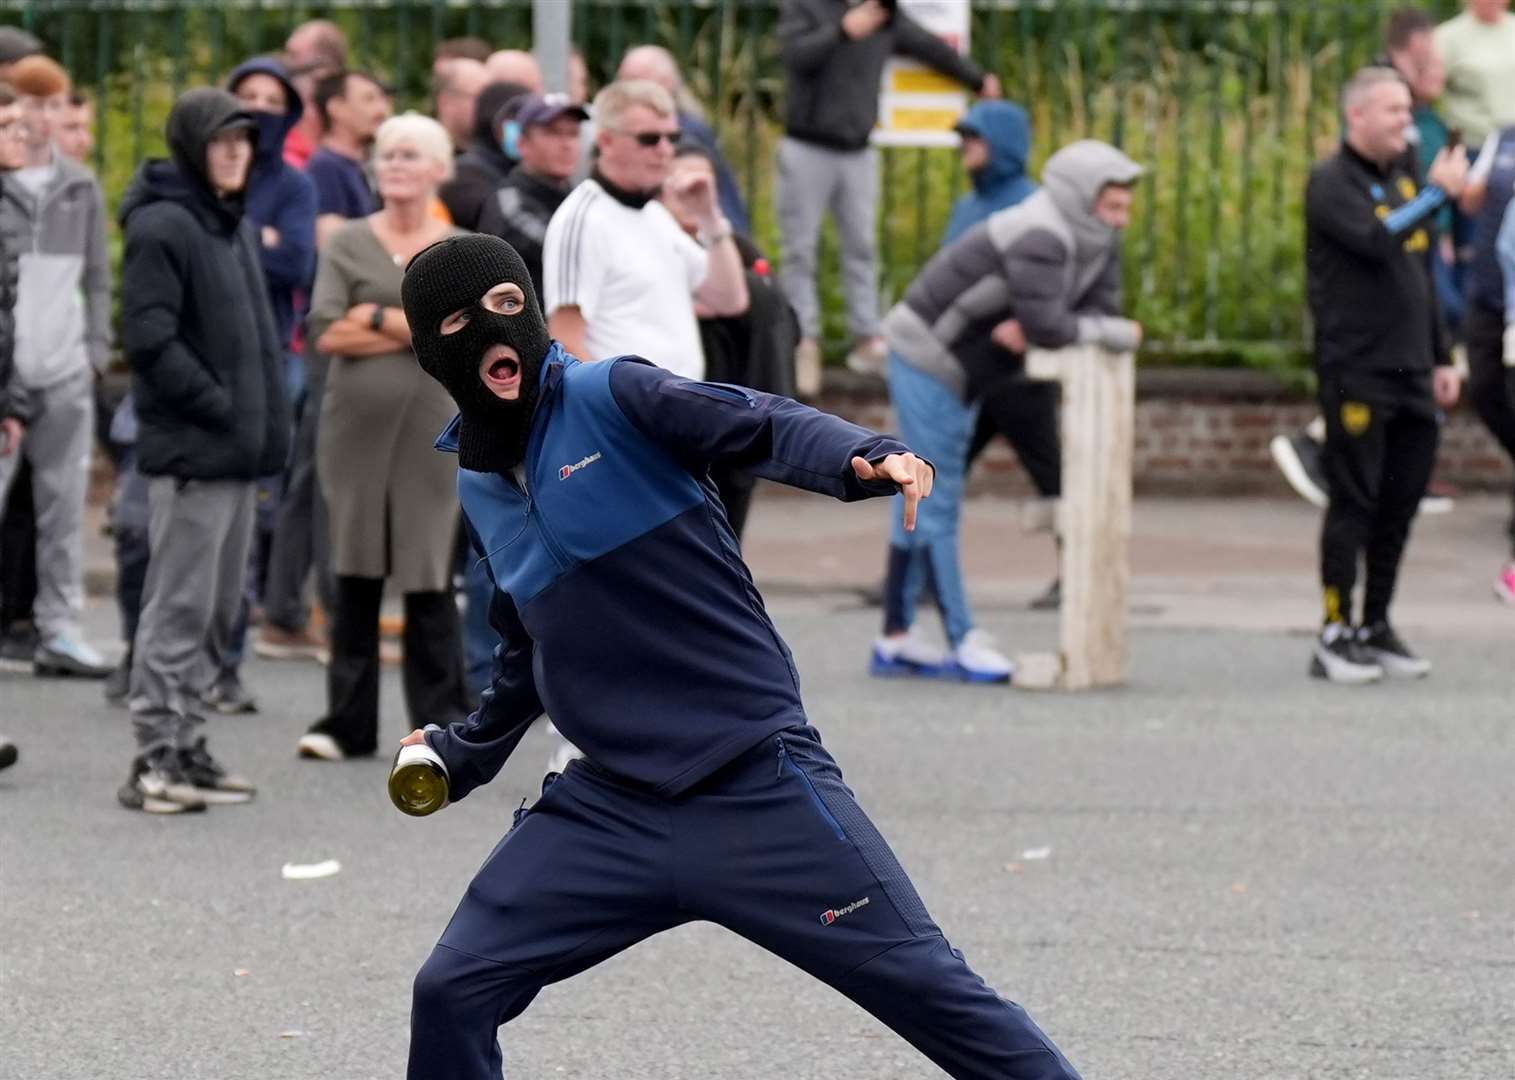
point(62, 328)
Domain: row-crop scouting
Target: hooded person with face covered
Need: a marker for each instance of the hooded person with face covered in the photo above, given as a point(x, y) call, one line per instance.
point(208, 384)
point(281, 200)
point(624, 609)
point(1045, 272)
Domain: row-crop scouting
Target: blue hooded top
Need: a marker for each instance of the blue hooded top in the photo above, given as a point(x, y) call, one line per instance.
point(281, 197)
point(1003, 182)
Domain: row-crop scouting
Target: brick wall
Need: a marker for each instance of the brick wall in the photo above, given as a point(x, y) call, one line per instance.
point(1200, 432)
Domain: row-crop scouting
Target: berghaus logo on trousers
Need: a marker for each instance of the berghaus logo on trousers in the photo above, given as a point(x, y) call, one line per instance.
point(829, 917)
point(568, 470)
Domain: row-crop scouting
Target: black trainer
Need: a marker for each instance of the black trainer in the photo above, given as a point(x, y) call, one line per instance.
point(8, 753)
point(118, 683)
point(210, 779)
point(1051, 598)
point(159, 786)
point(18, 644)
point(227, 695)
point(1299, 458)
point(1339, 658)
point(1383, 646)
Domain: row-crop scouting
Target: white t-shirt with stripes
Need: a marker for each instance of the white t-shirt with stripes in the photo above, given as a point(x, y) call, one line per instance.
point(632, 273)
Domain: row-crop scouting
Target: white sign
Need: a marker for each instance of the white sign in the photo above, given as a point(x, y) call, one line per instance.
point(918, 106)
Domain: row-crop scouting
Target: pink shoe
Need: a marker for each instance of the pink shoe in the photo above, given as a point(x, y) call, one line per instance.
point(1504, 585)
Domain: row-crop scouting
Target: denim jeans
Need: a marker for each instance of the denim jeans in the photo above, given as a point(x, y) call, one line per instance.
point(934, 423)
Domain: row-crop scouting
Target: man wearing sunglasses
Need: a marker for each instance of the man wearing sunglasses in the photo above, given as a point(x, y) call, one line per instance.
point(619, 274)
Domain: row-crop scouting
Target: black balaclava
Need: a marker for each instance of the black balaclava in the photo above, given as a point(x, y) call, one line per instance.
point(454, 274)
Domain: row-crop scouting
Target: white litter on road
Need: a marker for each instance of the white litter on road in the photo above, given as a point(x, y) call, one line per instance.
point(1031, 854)
point(307, 871)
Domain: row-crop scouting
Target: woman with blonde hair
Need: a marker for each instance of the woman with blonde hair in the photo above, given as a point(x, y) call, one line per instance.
point(392, 499)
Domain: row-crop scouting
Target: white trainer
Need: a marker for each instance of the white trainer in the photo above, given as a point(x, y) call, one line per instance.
point(976, 659)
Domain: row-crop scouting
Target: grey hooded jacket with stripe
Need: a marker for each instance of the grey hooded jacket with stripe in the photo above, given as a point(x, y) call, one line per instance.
point(1048, 262)
point(63, 301)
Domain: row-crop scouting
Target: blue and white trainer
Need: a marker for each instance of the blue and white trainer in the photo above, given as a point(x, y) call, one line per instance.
point(909, 654)
point(977, 660)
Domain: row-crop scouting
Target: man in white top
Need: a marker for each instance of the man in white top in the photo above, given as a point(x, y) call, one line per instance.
point(619, 274)
point(1478, 47)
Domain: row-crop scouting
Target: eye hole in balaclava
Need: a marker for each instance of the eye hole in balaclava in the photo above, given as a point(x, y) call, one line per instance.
point(456, 275)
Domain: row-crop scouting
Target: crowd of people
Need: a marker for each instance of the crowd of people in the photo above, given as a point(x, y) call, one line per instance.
point(274, 460)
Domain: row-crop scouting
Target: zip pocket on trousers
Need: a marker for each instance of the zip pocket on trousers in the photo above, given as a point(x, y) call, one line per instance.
point(785, 760)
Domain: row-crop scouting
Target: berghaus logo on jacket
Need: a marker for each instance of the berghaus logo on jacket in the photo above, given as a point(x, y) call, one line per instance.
point(568, 470)
point(829, 917)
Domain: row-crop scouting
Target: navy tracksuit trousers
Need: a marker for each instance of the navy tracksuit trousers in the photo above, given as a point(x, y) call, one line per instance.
point(772, 847)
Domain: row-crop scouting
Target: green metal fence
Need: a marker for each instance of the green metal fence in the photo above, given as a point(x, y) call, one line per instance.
point(1228, 101)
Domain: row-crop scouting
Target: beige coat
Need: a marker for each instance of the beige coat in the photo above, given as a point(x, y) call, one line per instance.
point(392, 497)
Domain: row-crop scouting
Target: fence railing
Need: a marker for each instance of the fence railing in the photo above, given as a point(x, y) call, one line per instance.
point(1228, 101)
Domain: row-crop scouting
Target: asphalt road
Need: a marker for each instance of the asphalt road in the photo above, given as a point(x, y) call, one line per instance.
point(1250, 875)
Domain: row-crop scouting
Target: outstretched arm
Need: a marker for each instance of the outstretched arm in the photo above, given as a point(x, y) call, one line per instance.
point(775, 437)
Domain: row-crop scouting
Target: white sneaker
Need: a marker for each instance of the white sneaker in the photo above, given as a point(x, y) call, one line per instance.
point(70, 655)
point(323, 747)
point(910, 654)
point(868, 357)
point(807, 369)
point(977, 660)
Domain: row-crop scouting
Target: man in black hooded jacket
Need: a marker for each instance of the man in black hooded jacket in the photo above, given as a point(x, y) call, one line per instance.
point(481, 169)
point(208, 382)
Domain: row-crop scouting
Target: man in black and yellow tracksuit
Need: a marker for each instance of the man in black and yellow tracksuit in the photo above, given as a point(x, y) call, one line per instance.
point(1384, 364)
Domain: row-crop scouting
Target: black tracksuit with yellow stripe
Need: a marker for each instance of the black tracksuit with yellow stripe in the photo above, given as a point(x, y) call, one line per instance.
point(1378, 334)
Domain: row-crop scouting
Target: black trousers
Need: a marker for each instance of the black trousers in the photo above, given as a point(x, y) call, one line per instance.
point(1491, 384)
point(18, 551)
point(300, 545)
point(1381, 435)
point(1024, 411)
point(432, 673)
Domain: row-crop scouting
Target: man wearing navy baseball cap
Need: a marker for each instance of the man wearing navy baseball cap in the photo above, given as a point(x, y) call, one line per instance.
point(547, 141)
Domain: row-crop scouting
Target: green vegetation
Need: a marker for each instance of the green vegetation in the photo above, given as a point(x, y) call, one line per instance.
point(1228, 101)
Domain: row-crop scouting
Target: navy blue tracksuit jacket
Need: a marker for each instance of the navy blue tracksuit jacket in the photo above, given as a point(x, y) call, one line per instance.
point(625, 611)
point(623, 606)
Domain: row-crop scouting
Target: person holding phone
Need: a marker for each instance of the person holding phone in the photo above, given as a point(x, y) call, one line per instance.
point(1384, 363)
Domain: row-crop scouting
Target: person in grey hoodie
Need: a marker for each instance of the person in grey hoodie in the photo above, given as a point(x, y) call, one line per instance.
point(1045, 272)
point(62, 317)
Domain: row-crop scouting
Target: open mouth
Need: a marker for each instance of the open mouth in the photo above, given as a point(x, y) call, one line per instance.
point(501, 369)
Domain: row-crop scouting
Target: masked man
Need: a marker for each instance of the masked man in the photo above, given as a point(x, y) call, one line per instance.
point(625, 610)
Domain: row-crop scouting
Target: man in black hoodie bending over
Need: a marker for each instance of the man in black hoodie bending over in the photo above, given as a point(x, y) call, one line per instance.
point(208, 381)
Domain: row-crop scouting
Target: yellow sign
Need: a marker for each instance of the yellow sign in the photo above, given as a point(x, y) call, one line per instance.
point(918, 106)
point(923, 119)
point(906, 80)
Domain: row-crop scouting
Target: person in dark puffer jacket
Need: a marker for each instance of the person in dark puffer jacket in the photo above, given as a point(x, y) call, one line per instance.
point(481, 169)
point(208, 383)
